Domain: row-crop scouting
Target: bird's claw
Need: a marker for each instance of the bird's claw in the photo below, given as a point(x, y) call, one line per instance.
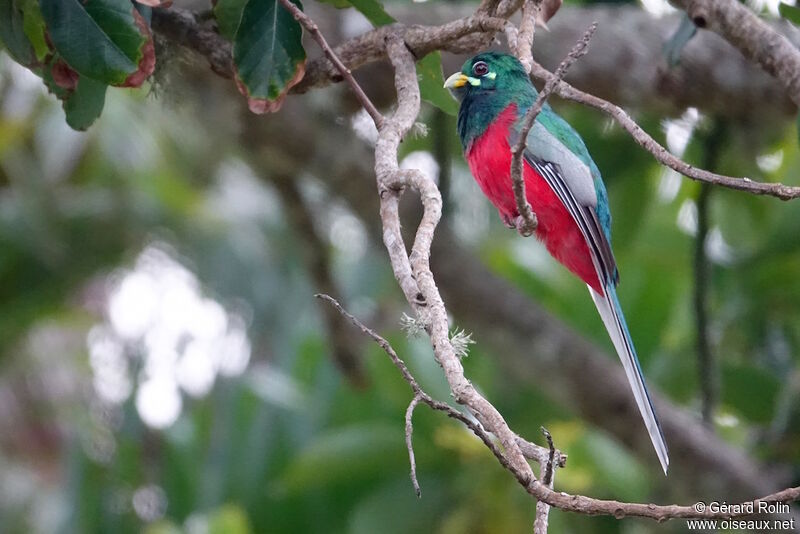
point(517, 223)
point(522, 227)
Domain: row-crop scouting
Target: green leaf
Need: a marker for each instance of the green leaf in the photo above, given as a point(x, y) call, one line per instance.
point(789, 12)
point(371, 9)
point(85, 104)
point(82, 98)
point(107, 40)
point(34, 27)
point(228, 14)
point(338, 4)
point(431, 84)
point(12, 33)
point(268, 54)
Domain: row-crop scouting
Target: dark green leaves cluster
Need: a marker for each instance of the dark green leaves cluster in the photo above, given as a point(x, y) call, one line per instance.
point(80, 47)
point(269, 57)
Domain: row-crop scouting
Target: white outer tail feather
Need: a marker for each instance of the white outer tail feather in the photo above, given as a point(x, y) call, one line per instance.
point(615, 325)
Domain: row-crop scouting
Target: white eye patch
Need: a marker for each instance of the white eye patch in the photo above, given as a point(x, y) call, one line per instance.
point(473, 81)
point(492, 75)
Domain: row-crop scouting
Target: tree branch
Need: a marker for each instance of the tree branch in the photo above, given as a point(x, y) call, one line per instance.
point(410, 445)
point(705, 361)
point(752, 36)
point(540, 489)
point(180, 26)
point(547, 470)
point(523, 45)
point(707, 368)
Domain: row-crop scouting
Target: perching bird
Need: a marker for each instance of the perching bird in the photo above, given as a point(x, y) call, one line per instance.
point(563, 186)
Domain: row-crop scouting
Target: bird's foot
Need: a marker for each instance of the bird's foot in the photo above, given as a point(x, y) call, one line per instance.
point(518, 223)
point(523, 228)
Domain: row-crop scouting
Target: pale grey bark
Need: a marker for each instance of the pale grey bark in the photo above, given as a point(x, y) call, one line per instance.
point(753, 37)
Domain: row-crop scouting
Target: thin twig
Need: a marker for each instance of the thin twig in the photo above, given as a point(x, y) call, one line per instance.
point(526, 223)
point(312, 27)
point(451, 412)
point(540, 454)
point(661, 154)
point(547, 476)
point(561, 500)
point(410, 445)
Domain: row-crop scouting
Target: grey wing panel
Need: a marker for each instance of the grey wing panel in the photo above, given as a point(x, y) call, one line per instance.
point(584, 216)
point(575, 174)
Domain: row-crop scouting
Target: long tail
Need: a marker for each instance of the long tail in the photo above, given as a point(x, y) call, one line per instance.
point(614, 321)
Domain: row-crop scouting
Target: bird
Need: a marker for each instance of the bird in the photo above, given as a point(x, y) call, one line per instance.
point(563, 186)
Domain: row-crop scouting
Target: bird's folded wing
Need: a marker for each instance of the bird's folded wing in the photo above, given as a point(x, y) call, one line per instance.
point(585, 217)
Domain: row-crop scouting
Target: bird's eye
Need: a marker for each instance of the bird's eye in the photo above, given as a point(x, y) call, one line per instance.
point(480, 68)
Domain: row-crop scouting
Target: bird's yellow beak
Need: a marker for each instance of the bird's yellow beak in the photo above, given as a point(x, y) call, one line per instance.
point(456, 81)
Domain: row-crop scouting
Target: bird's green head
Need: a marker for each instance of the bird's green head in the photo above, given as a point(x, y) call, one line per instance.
point(485, 86)
point(487, 72)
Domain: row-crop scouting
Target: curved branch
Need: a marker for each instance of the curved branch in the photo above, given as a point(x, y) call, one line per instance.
point(432, 312)
point(752, 36)
point(542, 490)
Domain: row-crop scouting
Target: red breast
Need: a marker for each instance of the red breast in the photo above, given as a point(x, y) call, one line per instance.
point(489, 159)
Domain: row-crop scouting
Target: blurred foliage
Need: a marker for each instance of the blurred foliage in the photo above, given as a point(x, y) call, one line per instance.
point(288, 446)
